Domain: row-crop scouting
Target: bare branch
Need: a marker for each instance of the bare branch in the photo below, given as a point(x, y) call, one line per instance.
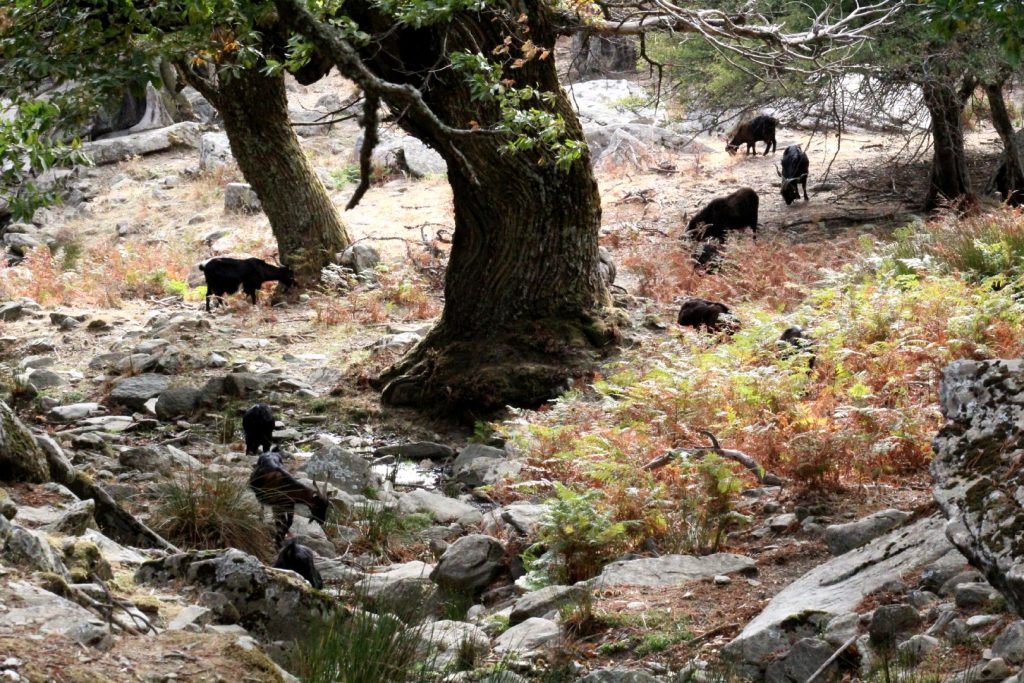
point(369, 124)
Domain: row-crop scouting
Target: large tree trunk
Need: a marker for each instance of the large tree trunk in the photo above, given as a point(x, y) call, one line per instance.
point(523, 294)
point(1012, 185)
point(305, 222)
point(948, 180)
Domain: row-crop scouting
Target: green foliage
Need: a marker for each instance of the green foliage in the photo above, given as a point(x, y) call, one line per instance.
point(347, 175)
point(200, 509)
point(360, 647)
point(1002, 20)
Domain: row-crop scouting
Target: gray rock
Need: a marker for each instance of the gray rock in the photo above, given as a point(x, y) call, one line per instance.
point(469, 564)
point(968, 595)
point(21, 459)
point(448, 640)
point(7, 507)
point(31, 609)
point(162, 459)
point(916, 648)
point(403, 579)
point(617, 675)
point(888, 621)
point(783, 523)
point(29, 550)
point(440, 507)
point(405, 154)
point(841, 538)
point(45, 379)
point(76, 519)
point(601, 102)
point(185, 134)
point(834, 588)
point(1009, 646)
point(606, 265)
point(524, 517)
point(419, 450)
point(841, 628)
point(36, 362)
point(803, 660)
point(214, 151)
point(192, 618)
point(11, 311)
point(479, 465)
point(177, 402)
point(349, 472)
point(949, 586)
point(20, 243)
point(541, 602)
point(672, 570)
point(241, 198)
point(361, 258)
point(133, 392)
point(529, 637)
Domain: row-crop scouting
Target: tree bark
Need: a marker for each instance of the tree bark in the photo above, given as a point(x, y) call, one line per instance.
point(305, 222)
point(523, 295)
point(948, 180)
point(1012, 185)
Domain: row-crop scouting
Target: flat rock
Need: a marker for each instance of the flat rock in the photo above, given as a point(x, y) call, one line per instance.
point(672, 570)
point(31, 609)
point(372, 585)
point(541, 602)
point(133, 392)
point(419, 450)
point(527, 638)
point(841, 538)
point(117, 149)
point(349, 472)
point(177, 402)
point(440, 507)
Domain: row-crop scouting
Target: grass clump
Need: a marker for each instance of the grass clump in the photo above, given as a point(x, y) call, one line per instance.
point(203, 510)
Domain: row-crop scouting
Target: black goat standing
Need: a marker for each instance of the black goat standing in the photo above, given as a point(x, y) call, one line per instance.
point(701, 313)
point(794, 172)
point(733, 212)
point(225, 275)
point(299, 559)
point(258, 425)
point(274, 486)
point(758, 129)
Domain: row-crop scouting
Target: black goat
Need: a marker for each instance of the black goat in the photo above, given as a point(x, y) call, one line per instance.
point(733, 212)
point(795, 341)
point(711, 315)
point(225, 275)
point(757, 129)
point(299, 559)
point(258, 425)
point(274, 486)
point(794, 172)
point(707, 258)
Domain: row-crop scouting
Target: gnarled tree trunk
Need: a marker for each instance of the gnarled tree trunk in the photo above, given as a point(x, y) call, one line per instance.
point(305, 222)
point(1012, 182)
point(948, 180)
point(523, 295)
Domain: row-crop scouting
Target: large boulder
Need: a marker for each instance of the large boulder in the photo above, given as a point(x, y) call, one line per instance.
point(604, 102)
point(214, 151)
point(440, 507)
point(841, 538)
point(479, 465)
point(134, 392)
point(405, 154)
point(978, 480)
point(469, 564)
point(805, 607)
point(108, 151)
point(349, 472)
point(21, 459)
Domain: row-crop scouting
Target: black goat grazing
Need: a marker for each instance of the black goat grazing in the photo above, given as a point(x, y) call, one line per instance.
point(225, 275)
point(794, 172)
point(299, 559)
point(757, 129)
point(258, 425)
point(707, 258)
point(795, 341)
point(274, 486)
point(711, 315)
point(733, 212)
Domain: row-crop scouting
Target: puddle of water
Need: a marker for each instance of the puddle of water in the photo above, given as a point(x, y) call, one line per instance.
point(408, 473)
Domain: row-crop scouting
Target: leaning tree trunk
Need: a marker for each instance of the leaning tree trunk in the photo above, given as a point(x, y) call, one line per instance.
point(305, 222)
point(1013, 173)
point(523, 295)
point(948, 180)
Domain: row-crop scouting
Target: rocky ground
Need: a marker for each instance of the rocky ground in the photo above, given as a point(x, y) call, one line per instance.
point(128, 384)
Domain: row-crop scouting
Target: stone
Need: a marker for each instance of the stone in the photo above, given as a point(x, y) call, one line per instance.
point(7, 507)
point(604, 102)
point(192, 618)
point(273, 605)
point(479, 465)
point(448, 641)
point(969, 595)
point(349, 472)
point(177, 402)
point(800, 662)
point(440, 507)
point(46, 379)
point(112, 551)
point(397, 585)
point(916, 648)
point(21, 458)
point(672, 570)
point(214, 151)
point(75, 519)
point(529, 637)
point(20, 243)
point(241, 198)
point(162, 459)
point(525, 517)
point(469, 565)
point(29, 550)
point(406, 154)
point(133, 392)
point(606, 266)
point(949, 586)
point(841, 628)
point(185, 134)
point(617, 675)
point(419, 450)
point(888, 621)
point(30, 609)
point(841, 538)
point(11, 311)
point(541, 602)
point(398, 342)
point(782, 523)
point(1009, 646)
point(835, 588)
point(361, 258)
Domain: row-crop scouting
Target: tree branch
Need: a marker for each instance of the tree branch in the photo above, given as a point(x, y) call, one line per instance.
point(369, 124)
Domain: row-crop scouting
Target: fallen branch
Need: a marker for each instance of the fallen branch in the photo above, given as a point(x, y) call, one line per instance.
point(707, 635)
point(762, 475)
point(833, 658)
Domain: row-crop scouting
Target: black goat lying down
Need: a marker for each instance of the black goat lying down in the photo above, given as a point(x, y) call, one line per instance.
point(299, 559)
point(258, 425)
point(710, 315)
point(274, 486)
point(225, 275)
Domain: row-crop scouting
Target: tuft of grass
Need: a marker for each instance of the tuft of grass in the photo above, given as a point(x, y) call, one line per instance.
point(387, 532)
point(200, 509)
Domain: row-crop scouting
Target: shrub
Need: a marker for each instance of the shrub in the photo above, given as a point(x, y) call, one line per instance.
point(198, 509)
